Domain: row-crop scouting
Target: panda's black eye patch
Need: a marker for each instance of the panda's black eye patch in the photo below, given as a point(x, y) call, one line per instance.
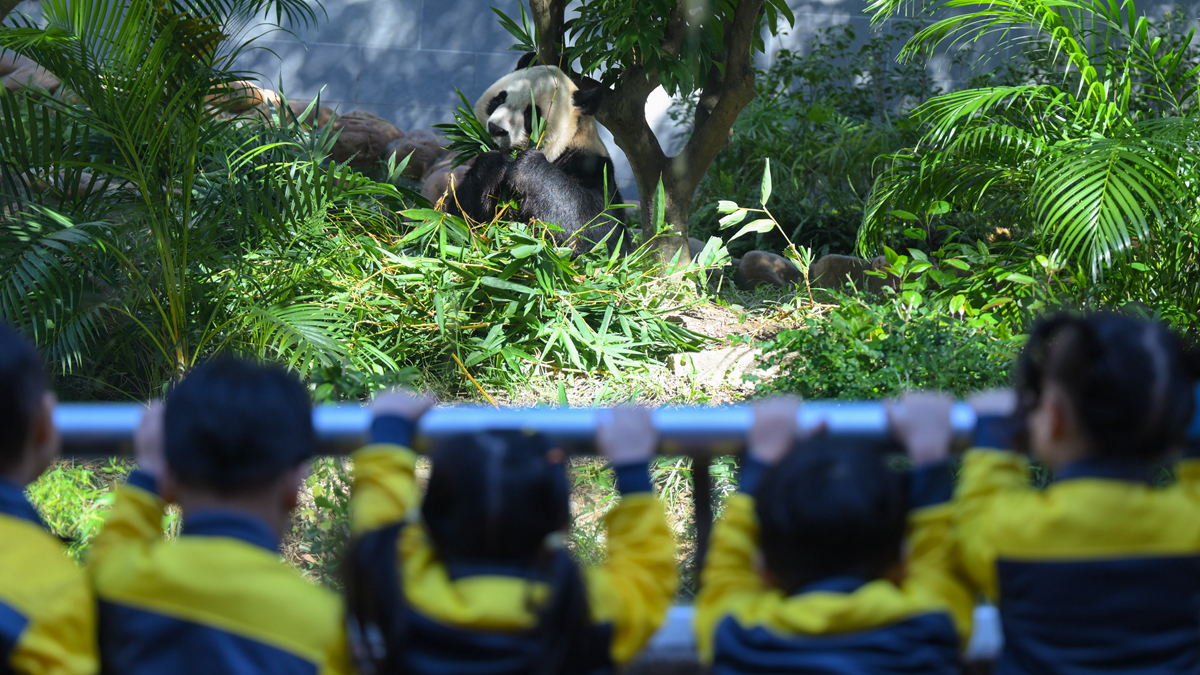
point(529, 118)
point(496, 102)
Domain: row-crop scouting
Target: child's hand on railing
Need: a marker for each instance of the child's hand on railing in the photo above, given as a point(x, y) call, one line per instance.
point(773, 432)
point(921, 422)
point(993, 402)
point(626, 435)
point(404, 403)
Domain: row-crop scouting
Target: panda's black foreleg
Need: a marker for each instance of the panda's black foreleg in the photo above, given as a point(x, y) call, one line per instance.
point(482, 186)
point(552, 195)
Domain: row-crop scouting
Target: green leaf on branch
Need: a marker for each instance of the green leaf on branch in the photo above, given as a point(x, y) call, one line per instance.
point(761, 226)
point(766, 183)
point(733, 218)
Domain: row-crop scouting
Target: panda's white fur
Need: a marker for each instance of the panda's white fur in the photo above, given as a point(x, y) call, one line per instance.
point(552, 91)
point(565, 178)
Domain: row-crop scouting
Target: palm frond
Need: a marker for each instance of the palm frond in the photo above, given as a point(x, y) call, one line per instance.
point(1098, 194)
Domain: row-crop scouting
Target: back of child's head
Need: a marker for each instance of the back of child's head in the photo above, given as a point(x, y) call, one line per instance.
point(1126, 379)
point(495, 496)
point(233, 424)
point(832, 508)
point(22, 387)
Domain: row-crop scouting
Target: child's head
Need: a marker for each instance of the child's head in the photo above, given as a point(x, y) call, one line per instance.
point(234, 429)
point(1104, 386)
point(495, 496)
point(28, 443)
point(831, 508)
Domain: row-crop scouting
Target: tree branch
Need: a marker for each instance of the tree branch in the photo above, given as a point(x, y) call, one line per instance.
point(548, 16)
point(676, 31)
point(724, 96)
point(7, 6)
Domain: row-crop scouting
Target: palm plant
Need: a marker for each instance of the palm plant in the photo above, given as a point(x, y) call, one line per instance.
point(1093, 162)
point(142, 227)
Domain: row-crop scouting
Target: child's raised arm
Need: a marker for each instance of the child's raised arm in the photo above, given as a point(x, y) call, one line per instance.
point(135, 521)
point(385, 487)
point(731, 575)
point(634, 588)
point(922, 424)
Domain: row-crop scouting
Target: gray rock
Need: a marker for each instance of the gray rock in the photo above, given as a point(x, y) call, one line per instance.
point(423, 147)
point(762, 267)
point(364, 137)
point(833, 271)
point(437, 182)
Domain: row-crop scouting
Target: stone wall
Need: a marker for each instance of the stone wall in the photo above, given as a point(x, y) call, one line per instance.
point(403, 59)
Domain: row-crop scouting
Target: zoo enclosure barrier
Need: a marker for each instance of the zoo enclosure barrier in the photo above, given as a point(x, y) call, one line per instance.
point(106, 429)
point(702, 433)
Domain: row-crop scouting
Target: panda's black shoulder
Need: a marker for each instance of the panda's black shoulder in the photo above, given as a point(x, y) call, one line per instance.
point(585, 165)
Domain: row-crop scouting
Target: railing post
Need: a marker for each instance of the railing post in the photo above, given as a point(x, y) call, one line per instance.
point(701, 507)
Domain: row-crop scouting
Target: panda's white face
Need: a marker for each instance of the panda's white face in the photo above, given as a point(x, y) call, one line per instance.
point(507, 109)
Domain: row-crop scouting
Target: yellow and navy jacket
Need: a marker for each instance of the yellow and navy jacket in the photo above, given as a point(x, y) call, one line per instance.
point(841, 625)
point(468, 615)
point(217, 600)
point(1098, 572)
point(47, 613)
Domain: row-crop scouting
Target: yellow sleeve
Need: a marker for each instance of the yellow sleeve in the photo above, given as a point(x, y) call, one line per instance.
point(339, 658)
point(992, 483)
point(1188, 476)
point(634, 588)
point(385, 486)
point(60, 638)
point(135, 522)
point(933, 566)
point(729, 578)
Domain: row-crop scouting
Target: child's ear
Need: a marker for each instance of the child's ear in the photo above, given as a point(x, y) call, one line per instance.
point(295, 481)
point(167, 486)
point(899, 572)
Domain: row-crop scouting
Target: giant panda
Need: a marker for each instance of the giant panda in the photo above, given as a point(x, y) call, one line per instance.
point(562, 180)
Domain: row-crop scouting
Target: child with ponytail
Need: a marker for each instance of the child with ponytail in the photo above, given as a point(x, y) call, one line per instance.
point(474, 578)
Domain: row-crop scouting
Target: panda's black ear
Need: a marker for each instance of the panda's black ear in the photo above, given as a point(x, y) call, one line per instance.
point(526, 59)
point(588, 100)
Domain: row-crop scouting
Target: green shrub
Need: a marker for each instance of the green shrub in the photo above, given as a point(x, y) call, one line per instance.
point(74, 498)
point(823, 117)
point(860, 350)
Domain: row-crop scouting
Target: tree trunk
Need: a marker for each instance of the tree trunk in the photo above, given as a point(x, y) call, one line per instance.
point(549, 16)
point(7, 6)
point(623, 112)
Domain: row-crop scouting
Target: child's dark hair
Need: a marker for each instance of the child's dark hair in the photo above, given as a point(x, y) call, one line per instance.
point(233, 424)
point(832, 508)
point(1127, 379)
point(22, 386)
point(495, 496)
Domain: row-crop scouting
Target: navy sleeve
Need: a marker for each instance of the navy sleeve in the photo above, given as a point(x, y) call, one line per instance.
point(993, 431)
point(931, 485)
point(753, 471)
point(143, 480)
point(393, 429)
point(633, 478)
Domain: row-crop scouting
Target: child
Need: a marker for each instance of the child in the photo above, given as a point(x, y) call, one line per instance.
point(231, 447)
point(47, 613)
point(1100, 570)
point(830, 593)
point(480, 588)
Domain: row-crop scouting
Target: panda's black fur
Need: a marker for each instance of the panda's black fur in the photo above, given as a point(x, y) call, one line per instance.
point(565, 182)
